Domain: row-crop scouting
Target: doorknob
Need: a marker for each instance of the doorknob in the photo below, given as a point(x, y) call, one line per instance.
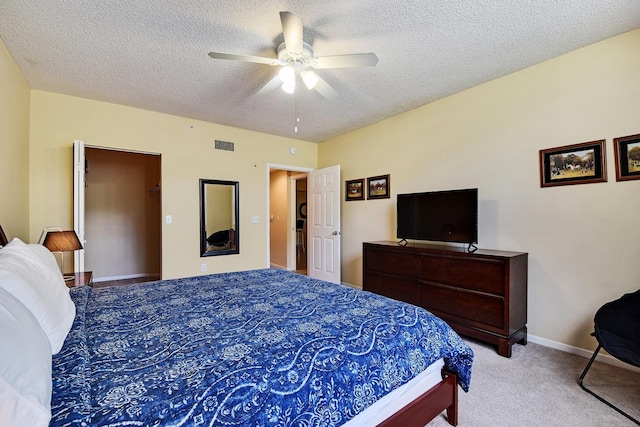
point(335, 233)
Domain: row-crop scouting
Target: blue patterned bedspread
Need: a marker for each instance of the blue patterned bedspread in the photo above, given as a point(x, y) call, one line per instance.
point(255, 348)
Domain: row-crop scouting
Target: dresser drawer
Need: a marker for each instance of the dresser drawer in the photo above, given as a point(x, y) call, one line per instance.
point(475, 307)
point(482, 294)
point(474, 273)
point(385, 261)
point(393, 287)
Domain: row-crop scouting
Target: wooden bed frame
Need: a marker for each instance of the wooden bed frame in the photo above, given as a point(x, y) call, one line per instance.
point(425, 408)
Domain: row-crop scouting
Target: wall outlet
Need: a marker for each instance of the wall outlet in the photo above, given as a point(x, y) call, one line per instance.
point(203, 267)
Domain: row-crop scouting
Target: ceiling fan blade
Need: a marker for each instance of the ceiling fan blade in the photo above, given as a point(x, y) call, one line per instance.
point(325, 89)
point(245, 58)
point(272, 85)
point(292, 31)
point(344, 61)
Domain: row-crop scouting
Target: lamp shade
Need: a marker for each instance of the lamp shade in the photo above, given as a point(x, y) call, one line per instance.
point(3, 238)
point(62, 241)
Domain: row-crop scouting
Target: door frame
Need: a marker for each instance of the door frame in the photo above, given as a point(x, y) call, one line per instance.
point(78, 201)
point(292, 238)
point(291, 235)
point(79, 183)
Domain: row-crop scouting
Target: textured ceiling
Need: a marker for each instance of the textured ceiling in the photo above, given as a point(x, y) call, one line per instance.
point(152, 54)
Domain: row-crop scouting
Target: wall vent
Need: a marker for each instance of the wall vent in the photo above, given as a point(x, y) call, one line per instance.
point(224, 145)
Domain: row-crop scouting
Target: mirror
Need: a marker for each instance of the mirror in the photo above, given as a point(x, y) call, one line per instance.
point(219, 217)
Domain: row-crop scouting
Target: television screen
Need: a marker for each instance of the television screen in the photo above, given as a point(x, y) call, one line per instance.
point(442, 216)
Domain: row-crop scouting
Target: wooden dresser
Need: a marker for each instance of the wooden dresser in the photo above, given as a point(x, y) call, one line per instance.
point(482, 294)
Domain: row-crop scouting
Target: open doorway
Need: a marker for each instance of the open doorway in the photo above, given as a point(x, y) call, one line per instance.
point(321, 228)
point(279, 218)
point(287, 239)
point(122, 215)
point(301, 223)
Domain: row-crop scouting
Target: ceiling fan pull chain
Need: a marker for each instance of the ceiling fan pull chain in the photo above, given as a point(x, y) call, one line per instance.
point(297, 117)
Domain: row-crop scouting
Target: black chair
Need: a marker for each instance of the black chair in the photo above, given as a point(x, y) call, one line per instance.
point(219, 238)
point(617, 330)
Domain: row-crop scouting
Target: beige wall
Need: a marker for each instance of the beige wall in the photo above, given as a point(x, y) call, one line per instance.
point(279, 208)
point(187, 155)
point(583, 240)
point(14, 148)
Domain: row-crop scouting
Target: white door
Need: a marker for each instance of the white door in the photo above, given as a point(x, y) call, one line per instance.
point(78, 201)
point(323, 224)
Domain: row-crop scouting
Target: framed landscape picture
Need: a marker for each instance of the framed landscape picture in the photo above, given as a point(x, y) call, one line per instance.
point(627, 152)
point(378, 187)
point(573, 164)
point(354, 189)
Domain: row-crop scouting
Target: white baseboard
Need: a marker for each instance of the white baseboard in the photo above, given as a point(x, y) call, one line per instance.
point(277, 266)
point(351, 285)
point(602, 356)
point(128, 276)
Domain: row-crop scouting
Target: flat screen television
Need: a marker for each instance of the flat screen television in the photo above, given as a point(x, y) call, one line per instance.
point(439, 216)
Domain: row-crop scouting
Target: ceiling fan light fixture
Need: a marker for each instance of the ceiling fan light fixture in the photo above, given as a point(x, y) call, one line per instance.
point(309, 78)
point(288, 76)
point(289, 86)
point(295, 56)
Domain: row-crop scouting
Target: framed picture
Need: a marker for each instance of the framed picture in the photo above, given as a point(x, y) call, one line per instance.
point(573, 164)
point(378, 187)
point(627, 152)
point(355, 190)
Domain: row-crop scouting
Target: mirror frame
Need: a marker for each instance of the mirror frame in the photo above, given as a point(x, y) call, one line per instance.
point(203, 237)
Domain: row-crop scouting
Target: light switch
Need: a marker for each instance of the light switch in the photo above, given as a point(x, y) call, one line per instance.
point(169, 219)
point(255, 219)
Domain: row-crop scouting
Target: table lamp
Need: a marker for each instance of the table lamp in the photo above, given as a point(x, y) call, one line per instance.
point(3, 238)
point(62, 241)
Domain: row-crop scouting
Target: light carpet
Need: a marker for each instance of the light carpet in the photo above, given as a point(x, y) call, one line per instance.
point(538, 386)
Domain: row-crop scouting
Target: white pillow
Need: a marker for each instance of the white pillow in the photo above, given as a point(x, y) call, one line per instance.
point(48, 259)
point(25, 371)
point(40, 287)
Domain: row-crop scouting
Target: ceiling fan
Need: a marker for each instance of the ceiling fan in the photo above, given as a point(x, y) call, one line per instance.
point(295, 57)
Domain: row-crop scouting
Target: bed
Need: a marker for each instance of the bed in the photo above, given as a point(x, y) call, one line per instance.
point(255, 348)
